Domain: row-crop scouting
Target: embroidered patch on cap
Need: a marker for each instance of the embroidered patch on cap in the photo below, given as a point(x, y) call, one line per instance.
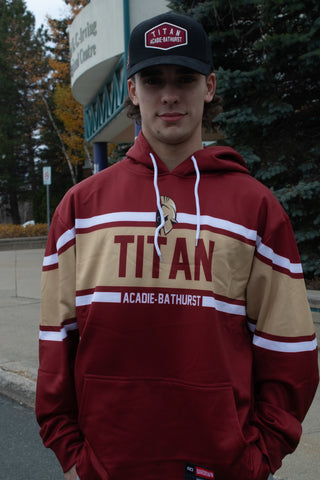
point(166, 36)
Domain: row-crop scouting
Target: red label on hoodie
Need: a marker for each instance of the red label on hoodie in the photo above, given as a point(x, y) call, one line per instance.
point(166, 36)
point(195, 472)
point(203, 473)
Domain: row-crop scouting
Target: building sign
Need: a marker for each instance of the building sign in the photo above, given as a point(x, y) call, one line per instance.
point(82, 45)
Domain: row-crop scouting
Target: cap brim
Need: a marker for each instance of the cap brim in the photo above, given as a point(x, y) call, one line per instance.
point(192, 63)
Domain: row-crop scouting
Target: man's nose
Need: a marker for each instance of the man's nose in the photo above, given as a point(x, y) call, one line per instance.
point(170, 94)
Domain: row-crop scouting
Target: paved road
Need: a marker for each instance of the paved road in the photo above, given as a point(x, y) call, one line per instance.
point(22, 454)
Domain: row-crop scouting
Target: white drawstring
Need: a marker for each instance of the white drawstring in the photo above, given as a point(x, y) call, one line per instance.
point(156, 188)
point(196, 196)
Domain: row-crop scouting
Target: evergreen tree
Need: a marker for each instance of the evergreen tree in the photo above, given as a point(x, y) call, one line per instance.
point(266, 56)
point(21, 60)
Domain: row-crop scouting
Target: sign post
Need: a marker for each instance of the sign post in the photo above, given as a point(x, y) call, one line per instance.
point(46, 173)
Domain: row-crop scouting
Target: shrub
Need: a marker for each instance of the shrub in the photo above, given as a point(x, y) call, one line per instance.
point(8, 230)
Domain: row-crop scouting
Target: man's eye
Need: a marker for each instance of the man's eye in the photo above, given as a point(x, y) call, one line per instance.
point(187, 79)
point(153, 81)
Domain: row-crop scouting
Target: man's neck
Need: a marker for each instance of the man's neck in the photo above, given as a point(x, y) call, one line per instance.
point(173, 155)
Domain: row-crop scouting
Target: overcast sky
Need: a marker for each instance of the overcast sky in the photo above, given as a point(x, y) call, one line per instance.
point(41, 8)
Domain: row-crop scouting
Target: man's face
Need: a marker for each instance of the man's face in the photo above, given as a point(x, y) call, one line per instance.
point(171, 101)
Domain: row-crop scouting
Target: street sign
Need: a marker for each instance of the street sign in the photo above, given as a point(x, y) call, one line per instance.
point(46, 172)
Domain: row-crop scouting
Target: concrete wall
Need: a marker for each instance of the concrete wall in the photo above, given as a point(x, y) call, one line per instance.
point(23, 243)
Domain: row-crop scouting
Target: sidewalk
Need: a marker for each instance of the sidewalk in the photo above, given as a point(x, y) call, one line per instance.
point(20, 272)
point(19, 321)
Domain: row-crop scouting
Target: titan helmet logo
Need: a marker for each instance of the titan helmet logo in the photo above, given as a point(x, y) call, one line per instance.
point(169, 212)
point(166, 36)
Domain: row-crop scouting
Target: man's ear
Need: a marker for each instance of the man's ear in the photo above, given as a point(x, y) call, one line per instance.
point(211, 87)
point(132, 91)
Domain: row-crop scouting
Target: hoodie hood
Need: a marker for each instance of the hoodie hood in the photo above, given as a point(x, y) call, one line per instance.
point(209, 160)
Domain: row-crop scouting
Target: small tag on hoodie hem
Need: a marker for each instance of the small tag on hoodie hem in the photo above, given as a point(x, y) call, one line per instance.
point(196, 472)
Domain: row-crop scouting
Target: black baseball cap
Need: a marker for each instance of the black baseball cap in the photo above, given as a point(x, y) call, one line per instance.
point(169, 39)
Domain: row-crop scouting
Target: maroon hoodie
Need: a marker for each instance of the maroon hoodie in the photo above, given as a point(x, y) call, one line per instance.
point(176, 341)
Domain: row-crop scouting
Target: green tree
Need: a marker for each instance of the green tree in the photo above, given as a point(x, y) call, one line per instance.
point(21, 61)
point(62, 127)
point(68, 112)
point(267, 58)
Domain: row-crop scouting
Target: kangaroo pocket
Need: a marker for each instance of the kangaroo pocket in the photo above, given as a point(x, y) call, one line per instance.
point(138, 421)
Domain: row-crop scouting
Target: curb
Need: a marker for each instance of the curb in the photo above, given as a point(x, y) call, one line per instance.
point(314, 299)
point(17, 387)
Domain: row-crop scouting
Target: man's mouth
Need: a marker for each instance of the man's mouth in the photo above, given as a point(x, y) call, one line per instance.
point(171, 117)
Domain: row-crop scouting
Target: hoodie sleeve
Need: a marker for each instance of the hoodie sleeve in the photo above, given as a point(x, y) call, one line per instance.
point(284, 341)
point(56, 406)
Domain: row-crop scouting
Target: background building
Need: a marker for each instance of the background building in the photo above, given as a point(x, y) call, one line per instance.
point(98, 38)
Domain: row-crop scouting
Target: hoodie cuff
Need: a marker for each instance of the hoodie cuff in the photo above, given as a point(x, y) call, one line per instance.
point(67, 452)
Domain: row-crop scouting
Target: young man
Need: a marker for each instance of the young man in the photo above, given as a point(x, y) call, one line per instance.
point(176, 341)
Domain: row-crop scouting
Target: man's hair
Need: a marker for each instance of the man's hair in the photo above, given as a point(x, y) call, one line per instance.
point(211, 110)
